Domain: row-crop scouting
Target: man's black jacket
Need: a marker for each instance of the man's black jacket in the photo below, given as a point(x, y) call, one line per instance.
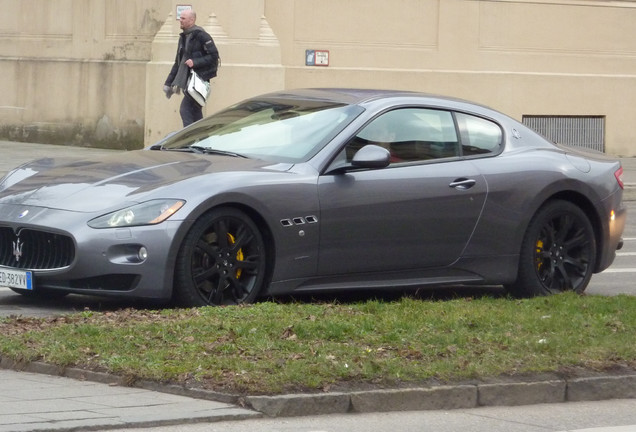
point(202, 51)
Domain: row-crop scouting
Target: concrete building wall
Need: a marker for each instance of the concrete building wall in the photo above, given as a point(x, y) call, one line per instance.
point(73, 70)
point(90, 72)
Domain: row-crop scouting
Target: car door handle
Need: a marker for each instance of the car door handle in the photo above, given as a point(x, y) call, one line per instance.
point(463, 183)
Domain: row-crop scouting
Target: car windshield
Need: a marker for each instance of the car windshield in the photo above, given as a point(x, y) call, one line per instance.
point(277, 130)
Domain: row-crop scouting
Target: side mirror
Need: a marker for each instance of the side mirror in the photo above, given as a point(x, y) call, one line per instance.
point(371, 156)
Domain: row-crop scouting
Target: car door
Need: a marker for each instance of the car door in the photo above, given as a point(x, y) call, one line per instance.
point(418, 212)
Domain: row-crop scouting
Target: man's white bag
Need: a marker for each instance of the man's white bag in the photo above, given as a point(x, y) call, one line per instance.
point(198, 88)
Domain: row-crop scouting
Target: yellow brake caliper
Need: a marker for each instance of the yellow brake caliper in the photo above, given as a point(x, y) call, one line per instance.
point(239, 254)
point(538, 259)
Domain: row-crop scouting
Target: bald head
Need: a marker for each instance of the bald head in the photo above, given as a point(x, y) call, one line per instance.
point(187, 19)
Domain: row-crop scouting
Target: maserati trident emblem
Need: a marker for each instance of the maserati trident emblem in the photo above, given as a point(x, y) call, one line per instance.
point(17, 249)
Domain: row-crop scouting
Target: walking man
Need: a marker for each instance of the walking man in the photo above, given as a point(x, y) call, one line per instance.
point(196, 50)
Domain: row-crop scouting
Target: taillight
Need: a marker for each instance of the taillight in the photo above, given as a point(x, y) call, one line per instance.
point(619, 174)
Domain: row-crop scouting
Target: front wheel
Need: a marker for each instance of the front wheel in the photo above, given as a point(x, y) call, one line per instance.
point(558, 252)
point(222, 261)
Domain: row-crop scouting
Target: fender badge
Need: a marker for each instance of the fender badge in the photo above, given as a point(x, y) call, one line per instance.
point(23, 214)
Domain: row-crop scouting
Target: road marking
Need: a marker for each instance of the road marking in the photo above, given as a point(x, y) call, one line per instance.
point(620, 270)
point(625, 253)
point(629, 428)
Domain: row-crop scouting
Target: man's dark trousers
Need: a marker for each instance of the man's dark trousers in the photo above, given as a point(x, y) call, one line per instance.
point(190, 110)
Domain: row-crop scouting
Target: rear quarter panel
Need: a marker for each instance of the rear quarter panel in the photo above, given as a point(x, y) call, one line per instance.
point(520, 181)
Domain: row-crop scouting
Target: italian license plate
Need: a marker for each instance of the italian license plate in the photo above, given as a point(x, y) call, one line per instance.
point(12, 278)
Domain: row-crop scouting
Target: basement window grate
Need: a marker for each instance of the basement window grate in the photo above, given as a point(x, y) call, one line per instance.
point(586, 132)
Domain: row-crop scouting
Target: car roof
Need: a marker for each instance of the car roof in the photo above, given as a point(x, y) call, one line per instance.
point(362, 96)
point(353, 95)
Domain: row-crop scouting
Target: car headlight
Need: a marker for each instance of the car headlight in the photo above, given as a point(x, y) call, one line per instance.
point(147, 213)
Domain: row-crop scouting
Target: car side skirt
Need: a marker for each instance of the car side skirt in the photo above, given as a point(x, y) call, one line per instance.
point(495, 270)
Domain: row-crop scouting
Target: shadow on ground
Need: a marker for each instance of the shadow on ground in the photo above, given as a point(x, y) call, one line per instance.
point(15, 304)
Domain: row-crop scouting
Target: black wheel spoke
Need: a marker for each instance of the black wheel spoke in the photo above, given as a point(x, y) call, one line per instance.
point(216, 295)
point(577, 240)
point(239, 289)
point(577, 265)
point(563, 281)
point(206, 248)
point(243, 238)
point(548, 275)
point(221, 229)
point(564, 223)
point(550, 233)
point(250, 264)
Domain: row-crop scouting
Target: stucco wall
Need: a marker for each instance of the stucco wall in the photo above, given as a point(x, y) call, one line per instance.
point(73, 71)
point(250, 60)
point(90, 72)
point(568, 57)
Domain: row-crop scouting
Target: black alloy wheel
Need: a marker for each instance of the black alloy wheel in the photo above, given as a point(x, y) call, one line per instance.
point(222, 261)
point(558, 252)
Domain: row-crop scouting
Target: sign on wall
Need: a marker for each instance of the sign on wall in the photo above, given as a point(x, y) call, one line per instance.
point(316, 58)
point(181, 8)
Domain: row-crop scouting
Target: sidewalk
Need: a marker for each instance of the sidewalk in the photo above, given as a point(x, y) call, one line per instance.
point(37, 402)
point(45, 401)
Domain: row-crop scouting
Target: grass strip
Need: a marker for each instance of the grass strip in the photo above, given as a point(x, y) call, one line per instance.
point(270, 348)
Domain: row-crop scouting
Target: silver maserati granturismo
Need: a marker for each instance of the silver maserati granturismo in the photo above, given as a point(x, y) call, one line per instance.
point(316, 190)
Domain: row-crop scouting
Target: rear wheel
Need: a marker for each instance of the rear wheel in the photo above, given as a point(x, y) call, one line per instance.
point(558, 252)
point(222, 261)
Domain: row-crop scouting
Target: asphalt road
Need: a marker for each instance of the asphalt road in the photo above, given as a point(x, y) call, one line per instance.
point(619, 278)
point(600, 416)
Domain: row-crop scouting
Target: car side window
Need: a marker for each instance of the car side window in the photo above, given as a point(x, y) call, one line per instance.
point(479, 136)
point(410, 134)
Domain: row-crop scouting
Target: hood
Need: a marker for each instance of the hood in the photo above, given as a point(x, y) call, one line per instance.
point(95, 184)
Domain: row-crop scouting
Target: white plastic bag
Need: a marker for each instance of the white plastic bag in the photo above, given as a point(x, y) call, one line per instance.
point(198, 88)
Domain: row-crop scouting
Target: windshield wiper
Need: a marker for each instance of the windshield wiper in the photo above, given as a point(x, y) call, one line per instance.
point(206, 150)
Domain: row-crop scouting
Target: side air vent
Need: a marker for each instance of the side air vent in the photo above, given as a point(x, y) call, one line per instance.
point(299, 221)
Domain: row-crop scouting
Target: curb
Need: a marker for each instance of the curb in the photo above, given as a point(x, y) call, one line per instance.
point(449, 397)
point(508, 392)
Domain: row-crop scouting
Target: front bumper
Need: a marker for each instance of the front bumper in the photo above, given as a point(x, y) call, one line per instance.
point(97, 261)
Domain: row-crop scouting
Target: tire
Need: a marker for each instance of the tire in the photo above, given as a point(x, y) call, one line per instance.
point(558, 252)
point(222, 261)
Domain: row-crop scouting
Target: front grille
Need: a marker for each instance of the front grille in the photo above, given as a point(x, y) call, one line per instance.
point(35, 250)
